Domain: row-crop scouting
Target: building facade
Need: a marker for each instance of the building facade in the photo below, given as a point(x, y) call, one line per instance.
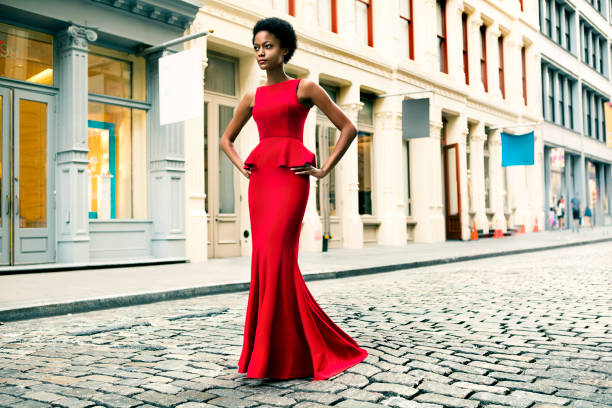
point(477, 62)
point(86, 168)
point(575, 66)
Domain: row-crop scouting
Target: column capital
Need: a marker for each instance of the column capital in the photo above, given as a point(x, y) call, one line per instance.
point(353, 107)
point(76, 37)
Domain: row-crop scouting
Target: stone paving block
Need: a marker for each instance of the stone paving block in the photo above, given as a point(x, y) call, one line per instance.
point(445, 389)
point(331, 387)
point(389, 389)
point(194, 405)
point(364, 369)
point(270, 399)
point(310, 404)
point(42, 396)
point(434, 368)
point(356, 404)
point(481, 387)
point(511, 377)
point(231, 402)
point(587, 404)
point(395, 378)
point(69, 402)
point(535, 396)
point(421, 374)
point(320, 397)
point(31, 404)
point(536, 386)
point(446, 400)
point(466, 368)
point(361, 395)
point(6, 400)
point(352, 380)
point(165, 388)
point(511, 400)
point(404, 403)
point(495, 367)
point(195, 395)
point(479, 379)
point(599, 398)
point(156, 398)
point(116, 400)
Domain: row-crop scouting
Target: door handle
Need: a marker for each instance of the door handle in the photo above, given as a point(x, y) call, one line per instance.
point(16, 205)
point(8, 206)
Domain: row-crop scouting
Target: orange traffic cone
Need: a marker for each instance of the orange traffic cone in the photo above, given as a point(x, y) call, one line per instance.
point(535, 226)
point(474, 232)
point(522, 229)
point(498, 231)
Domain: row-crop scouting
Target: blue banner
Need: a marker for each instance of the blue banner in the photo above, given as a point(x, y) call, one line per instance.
point(517, 150)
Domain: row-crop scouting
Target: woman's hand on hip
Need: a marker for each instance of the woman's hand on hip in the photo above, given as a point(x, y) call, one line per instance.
point(310, 170)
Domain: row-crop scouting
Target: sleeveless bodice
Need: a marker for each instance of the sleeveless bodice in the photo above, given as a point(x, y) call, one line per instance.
point(280, 118)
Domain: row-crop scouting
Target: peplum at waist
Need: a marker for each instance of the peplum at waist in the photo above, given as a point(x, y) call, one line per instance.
point(279, 151)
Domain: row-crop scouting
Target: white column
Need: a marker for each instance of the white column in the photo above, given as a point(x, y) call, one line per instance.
point(496, 179)
point(312, 229)
point(474, 23)
point(347, 181)
point(477, 139)
point(388, 179)
point(493, 34)
point(196, 228)
point(427, 186)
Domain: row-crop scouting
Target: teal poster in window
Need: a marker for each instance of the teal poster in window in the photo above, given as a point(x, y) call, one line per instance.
point(101, 169)
point(517, 150)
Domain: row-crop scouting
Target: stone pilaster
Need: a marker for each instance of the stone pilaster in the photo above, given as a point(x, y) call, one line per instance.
point(389, 177)
point(477, 139)
point(474, 23)
point(312, 229)
point(166, 195)
point(347, 182)
point(496, 179)
point(72, 146)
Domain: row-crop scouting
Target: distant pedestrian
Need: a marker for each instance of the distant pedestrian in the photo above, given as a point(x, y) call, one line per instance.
point(575, 202)
point(552, 222)
point(561, 211)
point(588, 217)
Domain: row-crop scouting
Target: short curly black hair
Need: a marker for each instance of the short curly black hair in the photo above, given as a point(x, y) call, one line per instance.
point(282, 29)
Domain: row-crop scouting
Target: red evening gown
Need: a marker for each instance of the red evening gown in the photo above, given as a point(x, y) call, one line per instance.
point(286, 333)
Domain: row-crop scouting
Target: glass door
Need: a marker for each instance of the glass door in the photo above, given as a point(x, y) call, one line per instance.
point(27, 183)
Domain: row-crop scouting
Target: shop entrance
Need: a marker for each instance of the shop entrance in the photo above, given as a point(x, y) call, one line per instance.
point(222, 198)
point(26, 168)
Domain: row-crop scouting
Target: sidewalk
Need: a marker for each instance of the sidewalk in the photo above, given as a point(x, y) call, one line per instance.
point(32, 295)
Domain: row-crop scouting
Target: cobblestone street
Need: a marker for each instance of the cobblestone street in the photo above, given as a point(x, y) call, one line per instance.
point(530, 330)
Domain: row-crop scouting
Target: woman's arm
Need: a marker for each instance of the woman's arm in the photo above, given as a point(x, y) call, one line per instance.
point(241, 117)
point(348, 131)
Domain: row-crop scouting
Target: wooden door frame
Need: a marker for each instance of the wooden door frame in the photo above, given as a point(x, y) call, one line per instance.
point(445, 149)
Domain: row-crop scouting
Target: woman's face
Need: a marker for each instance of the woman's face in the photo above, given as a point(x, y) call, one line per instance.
point(268, 52)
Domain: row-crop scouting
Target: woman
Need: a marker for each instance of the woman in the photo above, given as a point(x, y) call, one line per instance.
point(286, 333)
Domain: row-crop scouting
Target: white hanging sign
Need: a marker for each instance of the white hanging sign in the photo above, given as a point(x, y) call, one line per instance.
point(180, 87)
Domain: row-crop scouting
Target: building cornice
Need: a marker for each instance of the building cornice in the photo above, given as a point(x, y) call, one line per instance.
point(178, 13)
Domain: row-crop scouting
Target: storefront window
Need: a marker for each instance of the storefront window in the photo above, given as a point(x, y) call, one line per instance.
point(117, 162)
point(26, 55)
point(108, 76)
point(115, 73)
point(220, 74)
point(364, 168)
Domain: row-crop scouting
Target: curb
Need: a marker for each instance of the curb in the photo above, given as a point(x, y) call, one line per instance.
point(82, 306)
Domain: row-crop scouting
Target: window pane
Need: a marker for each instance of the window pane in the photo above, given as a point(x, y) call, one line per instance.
point(365, 114)
point(324, 14)
point(364, 149)
point(26, 55)
point(109, 76)
point(361, 21)
point(404, 37)
point(439, 18)
point(226, 167)
point(404, 6)
point(117, 162)
point(219, 75)
point(32, 164)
